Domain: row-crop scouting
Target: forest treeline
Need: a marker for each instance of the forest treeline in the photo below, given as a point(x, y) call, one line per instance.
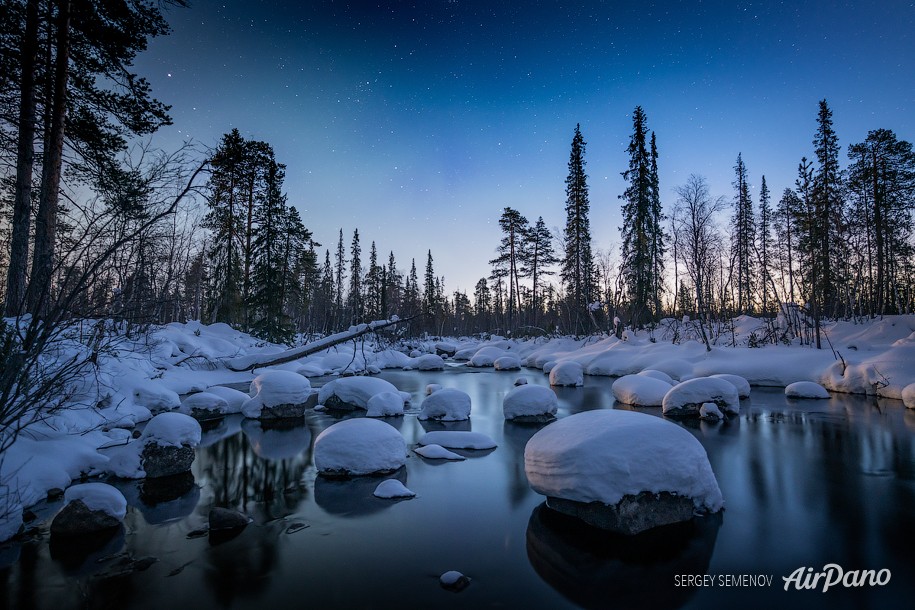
point(93, 224)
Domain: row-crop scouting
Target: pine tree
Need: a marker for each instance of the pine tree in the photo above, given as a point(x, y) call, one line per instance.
point(540, 257)
point(412, 301)
point(339, 279)
point(354, 300)
point(374, 289)
point(511, 253)
point(764, 243)
point(642, 232)
point(742, 238)
point(578, 264)
point(394, 287)
point(828, 213)
point(482, 304)
point(325, 296)
point(658, 237)
point(268, 230)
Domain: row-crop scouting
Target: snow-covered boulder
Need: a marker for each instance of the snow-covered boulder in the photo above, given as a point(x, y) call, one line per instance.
point(621, 470)
point(453, 580)
point(640, 390)
point(520, 381)
point(806, 389)
point(278, 395)
point(446, 349)
point(709, 411)
point(486, 356)
point(427, 362)
point(89, 508)
point(385, 404)
point(354, 392)
point(506, 363)
point(567, 374)
point(657, 375)
point(359, 446)
point(432, 387)
point(437, 452)
point(234, 399)
point(908, 396)
point(155, 396)
point(204, 406)
point(457, 439)
point(165, 448)
point(392, 489)
point(447, 404)
point(687, 397)
point(741, 384)
point(530, 403)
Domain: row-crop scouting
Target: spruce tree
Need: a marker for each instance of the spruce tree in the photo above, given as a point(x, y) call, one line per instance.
point(577, 270)
point(828, 212)
point(764, 243)
point(339, 279)
point(540, 257)
point(354, 300)
point(512, 251)
point(742, 239)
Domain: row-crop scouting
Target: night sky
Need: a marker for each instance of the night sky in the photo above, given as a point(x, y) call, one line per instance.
point(417, 122)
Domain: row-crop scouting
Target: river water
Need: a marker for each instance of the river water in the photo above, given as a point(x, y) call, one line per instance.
point(806, 483)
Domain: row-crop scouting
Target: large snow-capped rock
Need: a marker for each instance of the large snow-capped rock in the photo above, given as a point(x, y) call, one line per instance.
point(806, 389)
point(621, 470)
point(640, 390)
point(657, 375)
point(741, 384)
point(385, 404)
point(165, 448)
point(447, 404)
point(359, 447)
point(155, 396)
point(531, 403)
point(89, 508)
point(687, 397)
point(908, 396)
point(426, 362)
point(506, 363)
point(355, 392)
point(204, 406)
point(278, 395)
point(567, 373)
point(234, 398)
point(485, 356)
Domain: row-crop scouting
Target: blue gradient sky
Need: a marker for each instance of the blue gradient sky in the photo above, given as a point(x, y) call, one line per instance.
point(417, 122)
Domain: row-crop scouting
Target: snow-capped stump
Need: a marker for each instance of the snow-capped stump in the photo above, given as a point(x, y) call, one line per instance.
point(657, 375)
point(520, 381)
point(709, 411)
point(567, 374)
point(165, 448)
point(741, 384)
point(447, 404)
point(234, 399)
point(385, 404)
point(486, 356)
point(507, 363)
point(355, 447)
point(89, 508)
point(351, 393)
point(452, 580)
point(428, 362)
point(622, 471)
point(908, 396)
point(392, 489)
point(154, 396)
point(806, 389)
point(457, 439)
point(432, 387)
point(437, 452)
point(278, 395)
point(687, 397)
point(533, 403)
point(204, 406)
point(640, 390)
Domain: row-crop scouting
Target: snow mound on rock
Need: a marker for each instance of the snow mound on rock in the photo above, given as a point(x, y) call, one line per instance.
point(657, 375)
point(529, 401)
point(740, 384)
point(234, 399)
point(709, 411)
point(908, 396)
point(359, 447)
point(806, 389)
point(604, 455)
point(426, 362)
point(485, 356)
point(567, 374)
point(437, 452)
point(447, 404)
point(385, 404)
point(155, 396)
point(98, 496)
point(274, 388)
point(506, 363)
point(391, 489)
point(640, 390)
point(355, 391)
point(206, 402)
point(456, 439)
point(687, 397)
point(171, 430)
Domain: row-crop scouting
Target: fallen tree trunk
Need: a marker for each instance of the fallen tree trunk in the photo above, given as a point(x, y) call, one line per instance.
point(247, 363)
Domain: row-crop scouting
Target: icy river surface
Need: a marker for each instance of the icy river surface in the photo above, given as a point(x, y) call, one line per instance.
point(806, 483)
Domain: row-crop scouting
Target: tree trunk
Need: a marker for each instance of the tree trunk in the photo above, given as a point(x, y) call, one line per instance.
point(46, 220)
point(25, 157)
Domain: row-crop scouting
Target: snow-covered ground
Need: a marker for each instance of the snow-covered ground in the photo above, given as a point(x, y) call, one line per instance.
point(134, 378)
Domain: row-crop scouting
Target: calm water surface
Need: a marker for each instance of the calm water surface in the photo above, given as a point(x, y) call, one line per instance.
point(805, 483)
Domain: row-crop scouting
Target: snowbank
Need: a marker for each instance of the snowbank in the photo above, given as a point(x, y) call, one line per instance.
point(447, 404)
point(529, 401)
point(640, 390)
point(602, 456)
point(359, 447)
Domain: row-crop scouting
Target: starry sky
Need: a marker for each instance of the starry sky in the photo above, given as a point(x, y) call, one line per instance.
point(418, 122)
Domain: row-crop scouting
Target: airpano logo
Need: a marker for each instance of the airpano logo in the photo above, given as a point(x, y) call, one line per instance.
point(833, 575)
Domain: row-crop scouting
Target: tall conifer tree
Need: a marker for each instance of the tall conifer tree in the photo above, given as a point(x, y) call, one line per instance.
point(577, 262)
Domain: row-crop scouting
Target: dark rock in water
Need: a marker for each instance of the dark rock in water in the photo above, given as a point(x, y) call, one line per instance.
point(136, 434)
point(28, 516)
point(334, 402)
point(160, 461)
point(222, 519)
point(55, 493)
point(197, 533)
point(289, 410)
point(632, 514)
point(543, 418)
point(296, 527)
point(77, 519)
point(165, 489)
point(454, 581)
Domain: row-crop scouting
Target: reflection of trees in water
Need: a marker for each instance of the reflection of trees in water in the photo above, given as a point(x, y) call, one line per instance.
point(598, 569)
point(238, 476)
point(515, 436)
point(241, 568)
